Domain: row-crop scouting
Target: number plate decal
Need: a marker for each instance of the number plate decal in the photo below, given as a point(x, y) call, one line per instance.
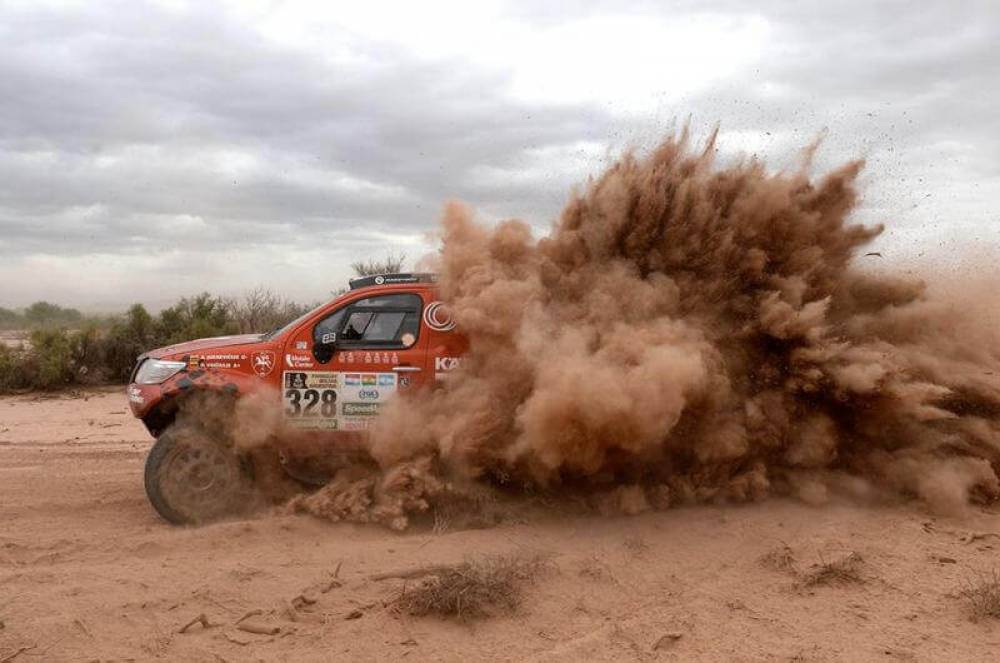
point(321, 400)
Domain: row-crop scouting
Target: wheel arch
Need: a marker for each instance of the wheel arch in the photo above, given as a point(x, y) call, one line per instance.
point(162, 415)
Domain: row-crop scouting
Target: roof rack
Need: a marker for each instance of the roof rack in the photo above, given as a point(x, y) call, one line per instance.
point(392, 279)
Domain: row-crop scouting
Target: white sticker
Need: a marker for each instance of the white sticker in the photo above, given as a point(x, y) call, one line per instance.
point(438, 317)
point(322, 400)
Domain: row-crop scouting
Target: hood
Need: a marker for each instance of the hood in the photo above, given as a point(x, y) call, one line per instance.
point(205, 344)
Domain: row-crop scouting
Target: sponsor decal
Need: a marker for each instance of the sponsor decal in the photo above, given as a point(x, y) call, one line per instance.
point(368, 357)
point(135, 396)
point(368, 394)
point(394, 359)
point(352, 379)
point(404, 381)
point(379, 280)
point(407, 339)
point(368, 379)
point(361, 409)
point(327, 339)
point(447, 363)
point(262, 363)
point(438, 317)
point(295, 380)
point(386, 380)
point(301, 345)
point(299, 361)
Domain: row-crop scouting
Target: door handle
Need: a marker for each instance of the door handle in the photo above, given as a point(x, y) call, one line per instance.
point(406, 369)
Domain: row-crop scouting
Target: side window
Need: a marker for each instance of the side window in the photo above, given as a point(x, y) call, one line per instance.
point(354, 330)
point(386, 321)
point(329, 324)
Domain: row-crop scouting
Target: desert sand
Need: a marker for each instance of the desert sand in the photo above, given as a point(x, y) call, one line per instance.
point(88, 572)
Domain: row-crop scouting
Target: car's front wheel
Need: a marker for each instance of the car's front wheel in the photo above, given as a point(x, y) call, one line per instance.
point(193, 478)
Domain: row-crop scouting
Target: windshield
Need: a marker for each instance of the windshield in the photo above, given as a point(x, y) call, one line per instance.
point(281, 330)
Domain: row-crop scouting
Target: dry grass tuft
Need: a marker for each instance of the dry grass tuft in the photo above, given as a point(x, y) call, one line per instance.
point(779, 559)
point(839, 572)
point(983, 596)
point(477, 588)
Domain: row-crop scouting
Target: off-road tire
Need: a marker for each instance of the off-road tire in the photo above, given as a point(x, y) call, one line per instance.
point(192, 478)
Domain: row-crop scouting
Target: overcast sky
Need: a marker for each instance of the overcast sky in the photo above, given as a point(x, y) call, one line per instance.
point(152, 150)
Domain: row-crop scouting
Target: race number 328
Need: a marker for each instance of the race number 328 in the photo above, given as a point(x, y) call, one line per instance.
point(303, 403)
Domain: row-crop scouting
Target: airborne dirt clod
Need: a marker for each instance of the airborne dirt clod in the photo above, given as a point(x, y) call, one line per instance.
point(690, 332)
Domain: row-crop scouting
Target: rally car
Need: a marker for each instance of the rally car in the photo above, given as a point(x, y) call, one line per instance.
point(326, 375)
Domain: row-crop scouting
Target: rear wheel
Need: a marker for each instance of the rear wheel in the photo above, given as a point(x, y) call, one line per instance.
point(192, 478)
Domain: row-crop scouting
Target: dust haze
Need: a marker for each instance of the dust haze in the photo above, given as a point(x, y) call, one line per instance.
point(689, 332)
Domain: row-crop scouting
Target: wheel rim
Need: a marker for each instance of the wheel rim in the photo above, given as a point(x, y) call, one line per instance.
point(201, 480)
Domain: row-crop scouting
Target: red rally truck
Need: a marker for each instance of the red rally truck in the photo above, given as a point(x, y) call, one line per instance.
point(329, 373)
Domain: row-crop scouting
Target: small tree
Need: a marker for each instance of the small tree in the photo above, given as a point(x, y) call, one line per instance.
point(390, 264)
point(196, 317)
point(42, 314)
point(261, 310)
point(10, 319)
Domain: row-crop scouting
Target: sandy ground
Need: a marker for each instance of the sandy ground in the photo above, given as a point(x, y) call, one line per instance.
point(89, 573)
point(14, 339)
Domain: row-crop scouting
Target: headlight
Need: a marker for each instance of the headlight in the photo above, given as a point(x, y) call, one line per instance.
point(155, 371)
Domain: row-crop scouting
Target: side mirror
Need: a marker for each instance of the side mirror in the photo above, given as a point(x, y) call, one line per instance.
point(323, 351)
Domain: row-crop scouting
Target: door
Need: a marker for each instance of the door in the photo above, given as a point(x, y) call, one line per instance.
point(342, 371)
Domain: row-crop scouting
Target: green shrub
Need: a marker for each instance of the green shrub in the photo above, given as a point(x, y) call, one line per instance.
point(196, 317)
point(10, 319)
point(67, 348)
point(12, 374)
point(44, 314)
point(50, 361)
point(129, 337)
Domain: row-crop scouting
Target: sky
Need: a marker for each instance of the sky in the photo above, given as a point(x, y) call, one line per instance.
point(150, 150)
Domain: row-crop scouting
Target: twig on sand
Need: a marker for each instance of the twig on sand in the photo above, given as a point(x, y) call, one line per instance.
point(259, 629)
point(412, 573)
point(200, 619)
point(235, 640)
point(667, 639)
point(10, 657)
point(252, 613)
point(972, 537)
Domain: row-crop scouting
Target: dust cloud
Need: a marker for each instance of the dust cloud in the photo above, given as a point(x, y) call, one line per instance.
point(690, 332)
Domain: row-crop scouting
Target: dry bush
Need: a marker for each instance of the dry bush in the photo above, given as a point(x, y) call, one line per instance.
point(261, 310)
point(846, 570)
point(779, 559)
point(983, 596)
point(390, 264)
point(476, 588)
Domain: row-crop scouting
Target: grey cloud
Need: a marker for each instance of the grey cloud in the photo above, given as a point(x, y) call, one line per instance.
point(116, 119)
